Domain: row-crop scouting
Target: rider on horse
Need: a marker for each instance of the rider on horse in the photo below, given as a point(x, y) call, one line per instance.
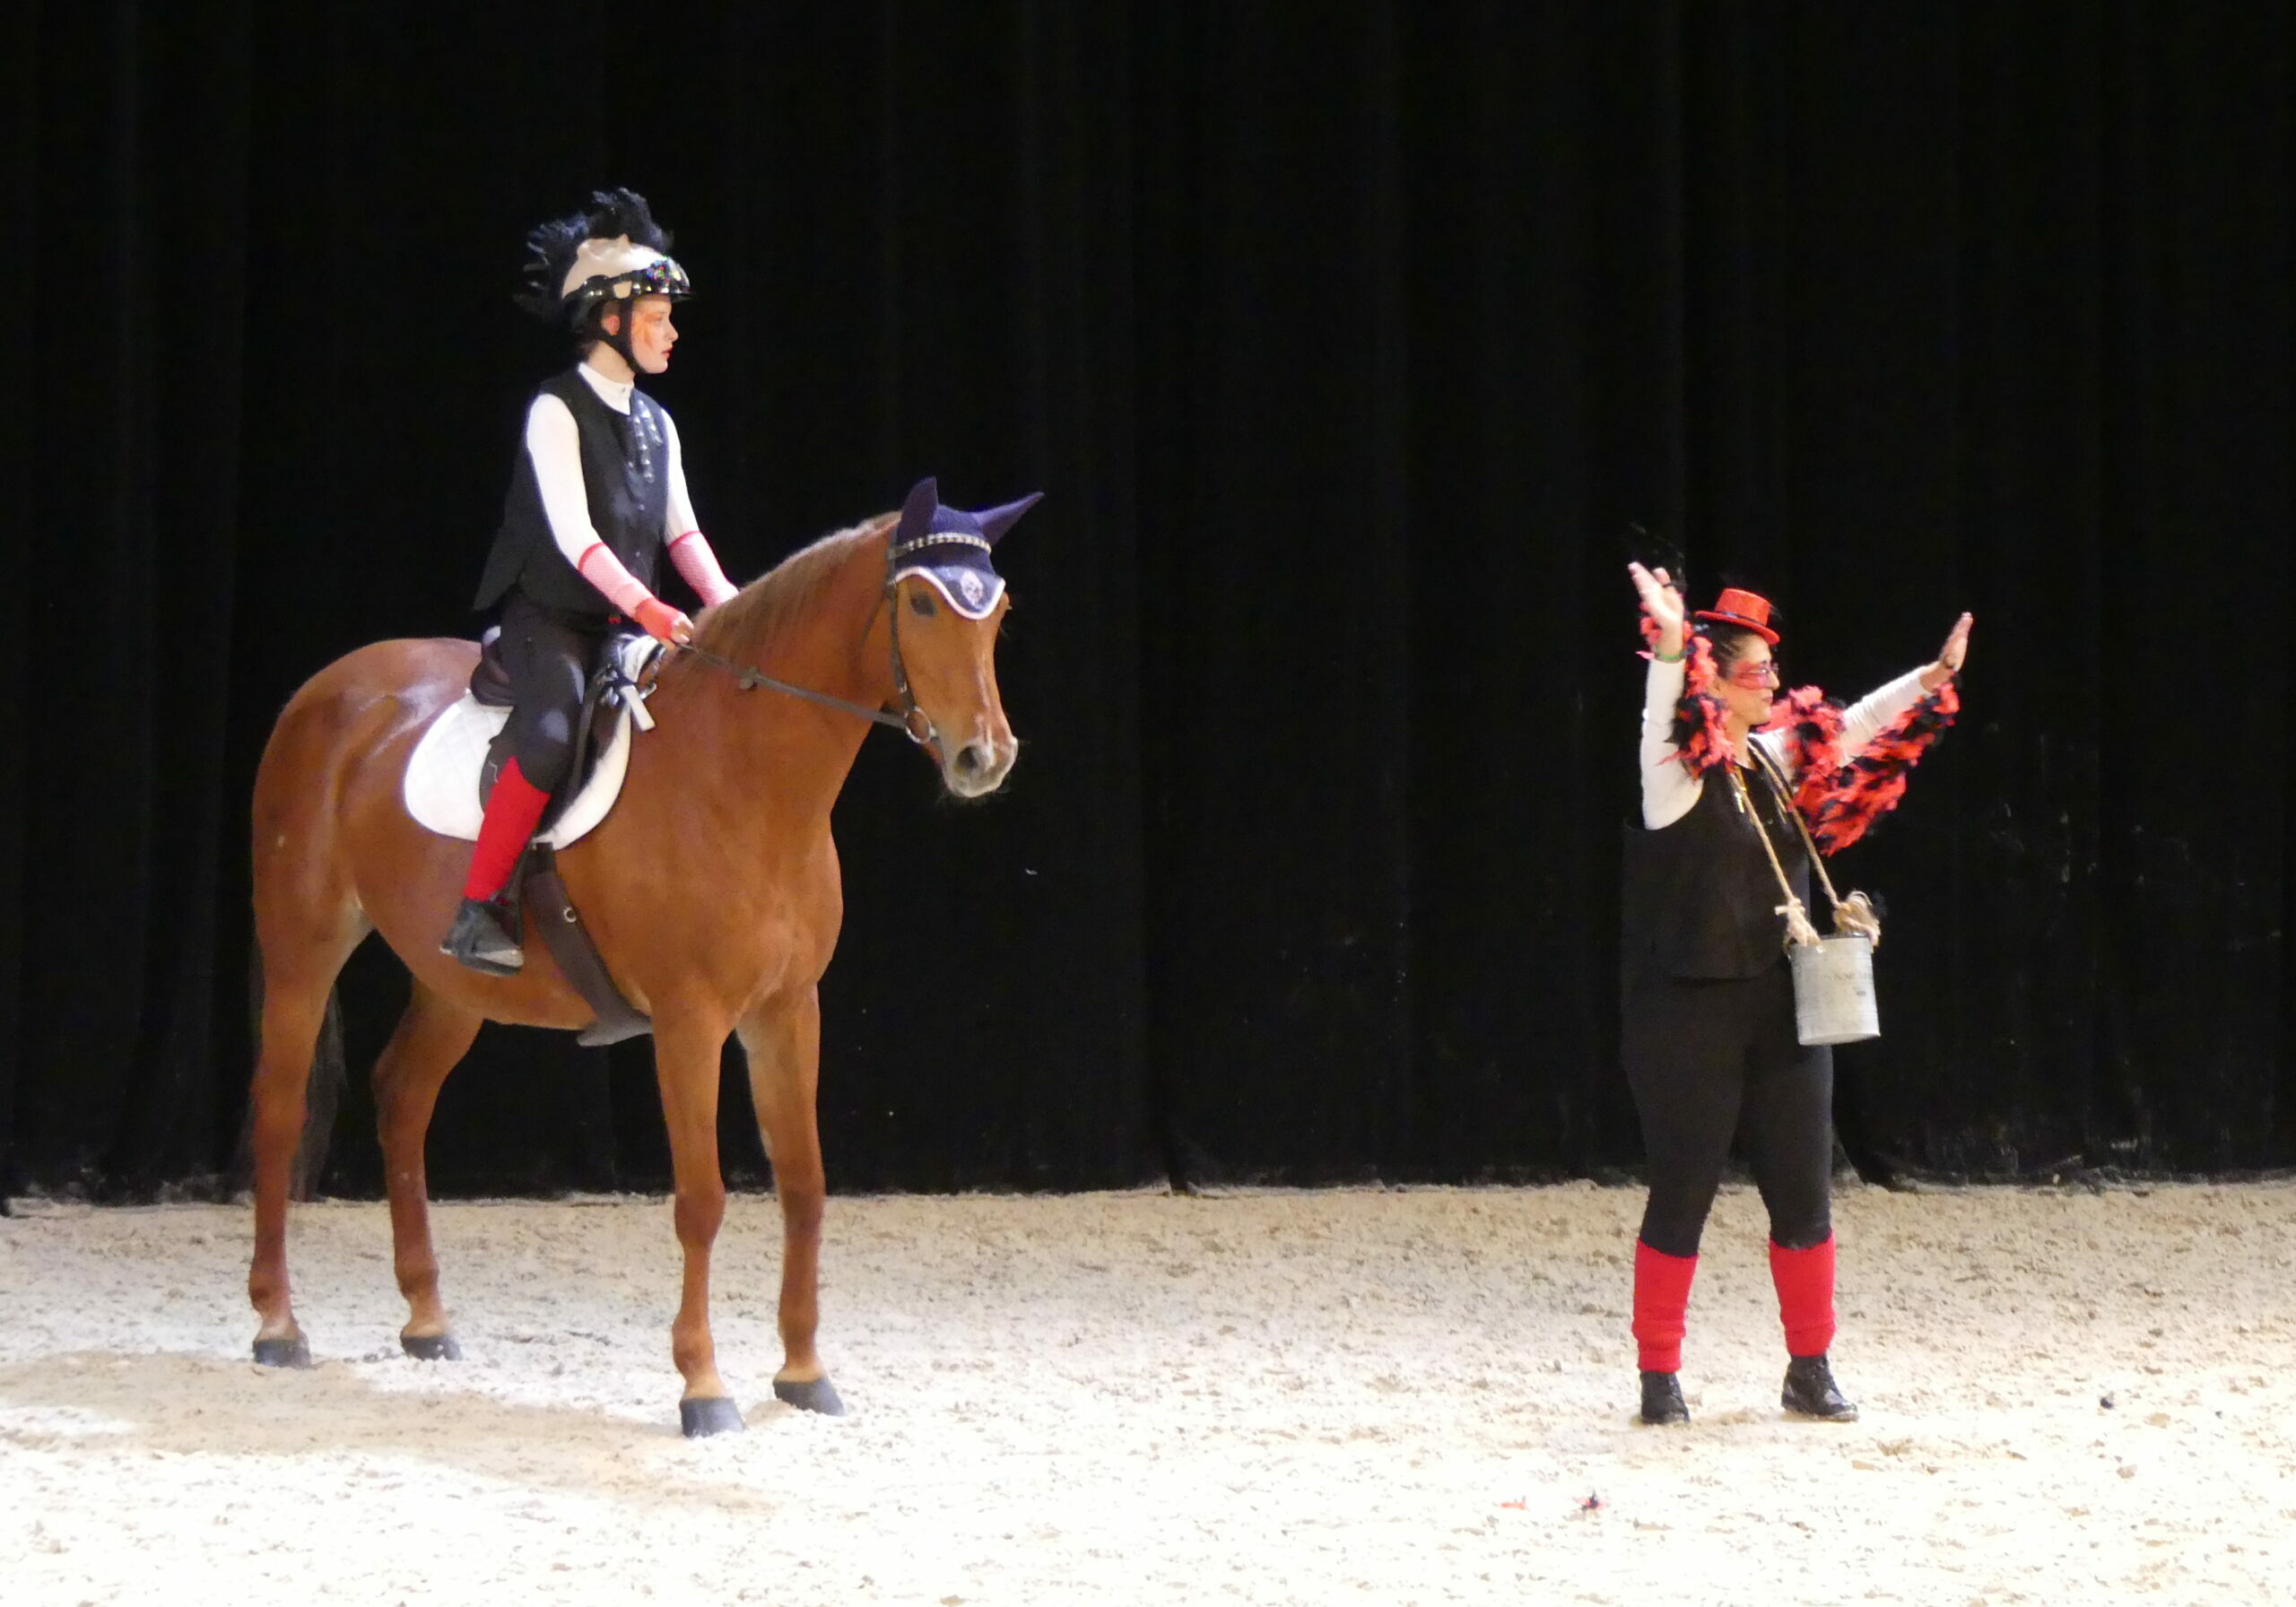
point(597, 492)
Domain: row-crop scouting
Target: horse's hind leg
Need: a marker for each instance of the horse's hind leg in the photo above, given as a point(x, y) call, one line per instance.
point(296, 980)
point(782, 1041)
point(431, 1039)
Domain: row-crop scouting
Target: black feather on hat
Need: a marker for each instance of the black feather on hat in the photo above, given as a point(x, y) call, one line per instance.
point(551, 247)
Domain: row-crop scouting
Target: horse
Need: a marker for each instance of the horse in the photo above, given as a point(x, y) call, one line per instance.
point(712, 891)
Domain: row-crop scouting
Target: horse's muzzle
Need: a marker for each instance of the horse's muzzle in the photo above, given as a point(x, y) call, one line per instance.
point(978, 768)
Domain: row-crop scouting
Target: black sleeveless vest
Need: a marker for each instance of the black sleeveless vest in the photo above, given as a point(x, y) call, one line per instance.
point(625, 474)
point(1700, 900)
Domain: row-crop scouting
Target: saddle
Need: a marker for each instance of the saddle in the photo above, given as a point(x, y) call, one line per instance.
point(455, 764)
point(614, 694)
point(620, 662)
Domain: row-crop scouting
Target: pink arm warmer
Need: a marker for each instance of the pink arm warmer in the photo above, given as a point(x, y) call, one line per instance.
point(691, 552)
point(619, 587)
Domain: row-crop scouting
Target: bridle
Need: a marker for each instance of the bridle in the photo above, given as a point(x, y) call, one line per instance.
point(912, 721)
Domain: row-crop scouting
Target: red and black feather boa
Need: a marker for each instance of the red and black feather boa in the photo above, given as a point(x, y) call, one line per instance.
point(1841, 799)
point(1698, 737)
point(1862, 791)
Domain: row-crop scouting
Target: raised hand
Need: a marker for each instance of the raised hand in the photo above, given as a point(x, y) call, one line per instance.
point(1663, 601)
point(1951, 656)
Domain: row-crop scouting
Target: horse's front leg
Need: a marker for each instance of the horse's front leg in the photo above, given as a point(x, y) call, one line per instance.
point(687, 1043)
point(782, 1040)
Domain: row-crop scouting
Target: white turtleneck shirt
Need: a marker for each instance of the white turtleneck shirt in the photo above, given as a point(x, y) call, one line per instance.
point(555, 447)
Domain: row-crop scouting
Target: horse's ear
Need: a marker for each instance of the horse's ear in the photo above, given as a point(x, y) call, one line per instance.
point(996, 521)
point(917, 513)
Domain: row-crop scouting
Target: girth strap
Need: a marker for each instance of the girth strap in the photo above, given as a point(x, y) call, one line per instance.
point(570, 944)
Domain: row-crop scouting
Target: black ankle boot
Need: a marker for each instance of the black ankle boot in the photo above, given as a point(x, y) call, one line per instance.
point(1810, 1392)
point(484, 938)
point(1662, 1398)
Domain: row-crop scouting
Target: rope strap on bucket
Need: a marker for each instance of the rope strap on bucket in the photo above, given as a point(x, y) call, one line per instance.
point(1852, 916)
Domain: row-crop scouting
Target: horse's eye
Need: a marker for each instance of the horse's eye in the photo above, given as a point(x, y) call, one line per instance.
point(919, 604)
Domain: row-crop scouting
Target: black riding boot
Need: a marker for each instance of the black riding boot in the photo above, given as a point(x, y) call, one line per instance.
point(1810, 1392)
point(1662, 1398)
point(485, 937)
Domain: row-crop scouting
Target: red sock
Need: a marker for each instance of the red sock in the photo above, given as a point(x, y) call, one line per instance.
point(1661, 1304)
point(513, 810)
point(1805, 1280)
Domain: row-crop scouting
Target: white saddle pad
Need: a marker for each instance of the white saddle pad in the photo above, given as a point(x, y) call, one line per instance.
point(442, 785)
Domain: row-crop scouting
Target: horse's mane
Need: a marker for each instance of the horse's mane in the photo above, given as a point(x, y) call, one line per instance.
point(751, 619)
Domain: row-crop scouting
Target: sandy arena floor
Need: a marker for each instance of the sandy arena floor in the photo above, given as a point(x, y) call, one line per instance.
point(1329, 1397)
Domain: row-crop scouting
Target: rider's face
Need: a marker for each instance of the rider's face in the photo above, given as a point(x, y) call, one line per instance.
point(651, 333)
point(1749, 683)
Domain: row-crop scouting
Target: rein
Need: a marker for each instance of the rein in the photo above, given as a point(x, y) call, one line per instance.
point(911, 722)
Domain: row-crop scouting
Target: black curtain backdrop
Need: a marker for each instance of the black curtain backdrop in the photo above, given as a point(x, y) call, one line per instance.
point(1351, 343)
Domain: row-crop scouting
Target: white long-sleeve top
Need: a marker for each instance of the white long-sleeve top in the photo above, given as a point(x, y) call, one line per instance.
point(554, 446)
point(1670, 791)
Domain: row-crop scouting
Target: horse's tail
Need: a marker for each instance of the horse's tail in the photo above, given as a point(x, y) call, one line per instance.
point(322, 1094)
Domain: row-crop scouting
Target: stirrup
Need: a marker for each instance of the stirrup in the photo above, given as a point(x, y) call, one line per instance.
point(481, 939)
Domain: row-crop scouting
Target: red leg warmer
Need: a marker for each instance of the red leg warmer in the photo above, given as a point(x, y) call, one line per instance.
point(513, 809)
point(1661, 1303)
point(1805, 1280)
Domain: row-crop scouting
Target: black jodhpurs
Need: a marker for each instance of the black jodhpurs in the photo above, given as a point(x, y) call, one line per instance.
point(549, 655)
point(1703, 1056)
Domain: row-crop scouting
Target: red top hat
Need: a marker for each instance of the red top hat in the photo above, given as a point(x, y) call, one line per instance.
point(1744, 609)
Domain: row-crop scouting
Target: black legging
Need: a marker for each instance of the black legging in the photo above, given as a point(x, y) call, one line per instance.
point(548, 655)
point(1695, 1054)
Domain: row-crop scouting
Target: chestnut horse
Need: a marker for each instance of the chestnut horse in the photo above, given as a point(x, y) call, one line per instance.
point(712, 891)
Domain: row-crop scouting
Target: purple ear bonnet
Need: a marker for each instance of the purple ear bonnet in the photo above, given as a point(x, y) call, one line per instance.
point(953, 548)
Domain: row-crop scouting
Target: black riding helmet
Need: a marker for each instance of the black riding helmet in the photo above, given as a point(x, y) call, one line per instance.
point(580, 267)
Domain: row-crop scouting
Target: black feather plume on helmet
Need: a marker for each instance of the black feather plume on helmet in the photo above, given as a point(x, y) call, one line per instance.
point(550, 250)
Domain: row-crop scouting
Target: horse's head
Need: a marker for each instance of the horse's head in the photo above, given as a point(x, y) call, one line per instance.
point(948, 604)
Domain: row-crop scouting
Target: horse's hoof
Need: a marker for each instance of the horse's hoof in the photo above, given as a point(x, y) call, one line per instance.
point(294, 1350)
point(709, 1414)
point(431, 1347)
point(818, 1395)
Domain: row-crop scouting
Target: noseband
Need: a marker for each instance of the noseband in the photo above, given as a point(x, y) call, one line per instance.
point(911, 722)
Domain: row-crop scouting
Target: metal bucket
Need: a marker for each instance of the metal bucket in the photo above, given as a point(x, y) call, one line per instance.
point(1833, 992)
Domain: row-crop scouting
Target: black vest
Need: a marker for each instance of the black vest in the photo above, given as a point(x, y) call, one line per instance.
point(626, 475)
point(1700, 899)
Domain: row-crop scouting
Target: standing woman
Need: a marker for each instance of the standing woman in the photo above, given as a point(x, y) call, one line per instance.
point(1709, 1031)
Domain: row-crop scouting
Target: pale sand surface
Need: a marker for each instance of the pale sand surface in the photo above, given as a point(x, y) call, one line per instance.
point(1323, 1397)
